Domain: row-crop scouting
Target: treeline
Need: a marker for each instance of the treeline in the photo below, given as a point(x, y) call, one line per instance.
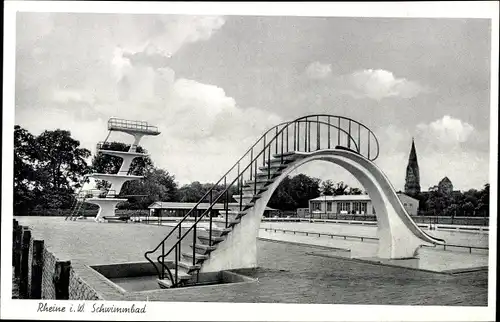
point(473, 203)
point(49, 169)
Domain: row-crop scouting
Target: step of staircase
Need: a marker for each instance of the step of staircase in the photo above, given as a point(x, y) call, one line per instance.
point(275, 167)
point(285, 154)
point(215, 239)
point(260, 181)
point(251, 189)
point(181, 277)
point(265, 175)
point(188, 266)
point(245, 197)
point(220, 222)
point(203, 249)
point(189, 257)
point(218, 231)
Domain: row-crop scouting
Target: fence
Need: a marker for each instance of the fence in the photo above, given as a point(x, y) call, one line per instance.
point(367, 238)
point(40, 274)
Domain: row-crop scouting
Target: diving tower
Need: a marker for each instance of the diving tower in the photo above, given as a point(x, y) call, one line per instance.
point(109, 198)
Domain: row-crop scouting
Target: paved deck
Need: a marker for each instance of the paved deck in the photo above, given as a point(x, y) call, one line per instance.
point(287, 273)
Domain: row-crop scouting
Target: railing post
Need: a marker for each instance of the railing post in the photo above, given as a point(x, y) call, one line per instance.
point(61, 279)
point(276, 139)
point(226, 201)
point(194, 239)
point(338, 132)
point(368, 145)
point(318, 129)
point(37, 270)
point(240, 193)
point(287, 138)
point(269, 163)
point(251, 165)
point(25, 250)
point(328, 132)
point(162, 272)
point(295, 125)
point(264, 153)
point(18, 232)
point(359, 138)
point(305, 137)
point(349, 138)
point(281, 147)
point(255, 177)
point(178, 238)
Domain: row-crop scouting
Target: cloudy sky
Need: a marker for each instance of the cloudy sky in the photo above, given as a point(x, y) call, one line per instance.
point(214, 84)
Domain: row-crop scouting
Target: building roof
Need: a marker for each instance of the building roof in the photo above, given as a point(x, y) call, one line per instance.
point(342, 197)
point(190, 205)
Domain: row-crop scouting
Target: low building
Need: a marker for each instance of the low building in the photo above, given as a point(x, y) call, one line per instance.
point(180, 209)
point(410, 204)
point(355, 204)
point(343, 204)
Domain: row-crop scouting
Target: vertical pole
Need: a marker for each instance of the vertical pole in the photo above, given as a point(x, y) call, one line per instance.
point(226, 199)
point(37, 270)
point(241, 190)
point(309, 137)
point(25, 250)
point(264, 155)
point(338, 131)
point(295, 136)
point(269, 163)
point(349, 138)
point(282, 147)
point(176, 274)
point(61, 279)
point(287, 138)
point(276, 139)
point(255, 177)
point(305, 137)
point(210, 218)
point(318, 128)
point(251, 164)
point(328, 132)
point(359, 137)
point(17, 250)
point(368, 145)
point(179, 238)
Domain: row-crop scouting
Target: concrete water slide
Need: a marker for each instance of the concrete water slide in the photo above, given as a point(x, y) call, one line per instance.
point(399, 236)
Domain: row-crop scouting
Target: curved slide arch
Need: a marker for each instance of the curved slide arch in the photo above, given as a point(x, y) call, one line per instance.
point(399, 236)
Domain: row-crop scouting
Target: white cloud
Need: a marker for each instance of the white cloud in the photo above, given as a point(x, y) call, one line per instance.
point(75, 86)
point(378, 84)
point(448, 131)
point(317, 70)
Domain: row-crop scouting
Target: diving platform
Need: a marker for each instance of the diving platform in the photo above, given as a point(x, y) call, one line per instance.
point(132, 127)
point(108, 199)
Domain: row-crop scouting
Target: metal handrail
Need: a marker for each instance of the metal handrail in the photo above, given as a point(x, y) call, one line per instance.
point(254, 161)
point(130, 124)
point(362, 238)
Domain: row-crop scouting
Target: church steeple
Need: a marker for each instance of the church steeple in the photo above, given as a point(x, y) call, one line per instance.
point(412, 181)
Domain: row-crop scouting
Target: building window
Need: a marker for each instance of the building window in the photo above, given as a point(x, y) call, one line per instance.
point(329, 206)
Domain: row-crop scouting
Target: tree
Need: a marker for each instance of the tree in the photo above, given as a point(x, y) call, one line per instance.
point(340, 189)
point(25, 179)
point(295, 192)
point(46, 169)
point(61, 159)
point(355, 191)
point(327, 188)
point(105, 163)
point(195, 191)
point(157, 185)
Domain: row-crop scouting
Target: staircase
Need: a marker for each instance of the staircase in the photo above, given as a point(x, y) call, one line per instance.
point(252, 175)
